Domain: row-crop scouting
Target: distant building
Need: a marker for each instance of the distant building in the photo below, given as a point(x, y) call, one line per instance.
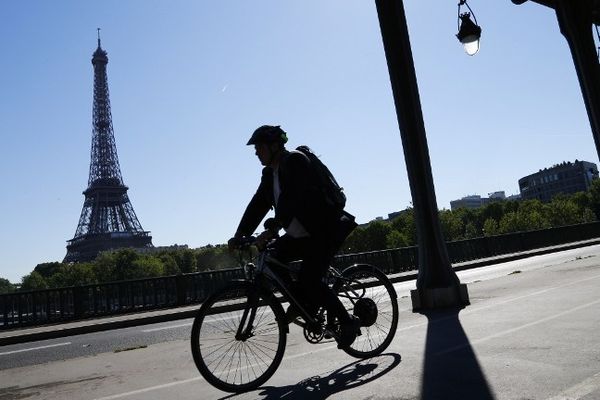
point(476, 201)
point(473, 201)
point(562, 178)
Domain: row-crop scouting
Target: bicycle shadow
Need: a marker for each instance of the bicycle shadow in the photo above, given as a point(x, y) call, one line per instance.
point(321, 387)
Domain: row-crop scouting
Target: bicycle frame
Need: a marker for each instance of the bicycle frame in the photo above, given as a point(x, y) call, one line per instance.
point(226, 349)
point(256, 273)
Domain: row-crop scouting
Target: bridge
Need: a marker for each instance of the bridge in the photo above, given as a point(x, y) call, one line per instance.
point(529, 333)
point(61, 305)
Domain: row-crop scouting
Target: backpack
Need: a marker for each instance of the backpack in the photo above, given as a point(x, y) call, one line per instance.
point(331, 190)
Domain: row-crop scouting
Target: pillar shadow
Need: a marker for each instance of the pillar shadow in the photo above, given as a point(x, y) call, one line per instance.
point(321, 387)
point(451, 370)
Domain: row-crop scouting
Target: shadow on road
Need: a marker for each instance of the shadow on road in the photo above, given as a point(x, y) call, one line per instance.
point(451, 370)
point(348, 377)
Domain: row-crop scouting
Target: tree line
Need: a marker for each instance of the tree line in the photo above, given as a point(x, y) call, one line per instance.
point(495, 218)
point(124, 264)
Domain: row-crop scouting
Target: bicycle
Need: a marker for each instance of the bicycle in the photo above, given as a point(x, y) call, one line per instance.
point(239, 333)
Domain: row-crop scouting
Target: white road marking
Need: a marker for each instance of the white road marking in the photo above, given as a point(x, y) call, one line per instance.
point(518, 328)
point(167, 327)
point(580, 390)
point(34, 348)
point(148, 389)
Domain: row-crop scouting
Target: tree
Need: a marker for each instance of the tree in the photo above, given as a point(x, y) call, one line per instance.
point(493, 211)
point(6, 286)
point(594, 193)
point(77, 274)
point(355, 242)
point(124, 260)
point(170, 266)
point(562, 211)
point(472, 230)
point(33, 281)
point(405, 224)
point(376, 235)
point(104, 267)
point(511, 222)
point(588, 215)
point(490, 227)
point(396, 239)
point(215, 257)
point(186, 260)
point(146, 266)
point(47, 269)
point(471, 221)
point(452, 225)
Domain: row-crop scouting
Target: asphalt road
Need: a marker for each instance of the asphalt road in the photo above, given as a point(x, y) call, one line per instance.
point(118, 340)
point(530, 333)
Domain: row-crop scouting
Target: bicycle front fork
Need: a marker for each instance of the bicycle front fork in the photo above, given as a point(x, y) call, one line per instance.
point(245, 328)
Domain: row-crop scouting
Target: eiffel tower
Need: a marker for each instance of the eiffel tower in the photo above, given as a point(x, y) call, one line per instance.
point(107, 219)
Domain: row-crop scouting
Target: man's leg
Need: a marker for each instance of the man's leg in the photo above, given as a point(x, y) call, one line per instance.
point(314, 269)
point(287, 249)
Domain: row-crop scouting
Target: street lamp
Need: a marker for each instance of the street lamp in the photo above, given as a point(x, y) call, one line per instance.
point(437, 283)
point(469, 32)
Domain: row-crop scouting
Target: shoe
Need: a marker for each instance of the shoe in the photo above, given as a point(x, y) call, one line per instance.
point(348, 332)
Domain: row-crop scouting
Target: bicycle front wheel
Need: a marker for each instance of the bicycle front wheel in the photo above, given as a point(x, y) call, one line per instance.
point(367, 293)
point(238, 338)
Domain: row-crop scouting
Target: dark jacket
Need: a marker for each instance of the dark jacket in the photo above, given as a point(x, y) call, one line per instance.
point(300, 198)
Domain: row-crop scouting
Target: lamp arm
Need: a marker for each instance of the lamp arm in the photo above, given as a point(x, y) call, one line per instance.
point(464, 3)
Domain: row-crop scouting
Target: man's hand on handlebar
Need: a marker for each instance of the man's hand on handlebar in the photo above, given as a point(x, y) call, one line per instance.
point(264, 239)
point(234, 243)
point(261, 241)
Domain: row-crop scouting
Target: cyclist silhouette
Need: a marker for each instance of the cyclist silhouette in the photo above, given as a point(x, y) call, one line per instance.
point(313, 228)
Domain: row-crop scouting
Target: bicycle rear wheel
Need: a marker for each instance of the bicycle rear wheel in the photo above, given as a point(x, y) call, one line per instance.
point(238, 338)
point(367, 293)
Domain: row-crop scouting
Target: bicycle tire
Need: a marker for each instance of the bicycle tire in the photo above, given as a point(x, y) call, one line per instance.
point(369, 282)
point(231, 364)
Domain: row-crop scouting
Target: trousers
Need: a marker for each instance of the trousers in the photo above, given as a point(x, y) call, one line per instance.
point(310, 289)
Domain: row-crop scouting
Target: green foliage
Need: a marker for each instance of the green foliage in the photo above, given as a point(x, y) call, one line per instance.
point(494, 219)
point(34, 281)
point(72, 275)
point(490, 227)
point(46, 270)
point(170, 266)
point(215, 257)
point(594, 194)
point(405, 224)
point(355, 242)
point(376, 235)
point(6, 286)
point(396, 239)
point(452, 224)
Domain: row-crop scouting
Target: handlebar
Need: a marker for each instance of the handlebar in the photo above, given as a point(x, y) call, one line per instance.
point(245, 242)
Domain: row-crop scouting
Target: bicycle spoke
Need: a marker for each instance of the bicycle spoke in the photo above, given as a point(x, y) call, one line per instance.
point(365, 282)
point(231, 362)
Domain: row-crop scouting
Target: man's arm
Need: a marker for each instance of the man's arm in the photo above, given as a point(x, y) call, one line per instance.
point(259, 206)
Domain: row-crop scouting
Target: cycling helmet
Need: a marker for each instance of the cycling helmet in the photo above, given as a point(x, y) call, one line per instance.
point(268, 134)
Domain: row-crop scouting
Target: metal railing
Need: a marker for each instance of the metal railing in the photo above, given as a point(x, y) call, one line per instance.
point(39, 307)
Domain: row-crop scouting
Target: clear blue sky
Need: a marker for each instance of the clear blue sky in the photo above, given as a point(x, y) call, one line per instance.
point(190, 80)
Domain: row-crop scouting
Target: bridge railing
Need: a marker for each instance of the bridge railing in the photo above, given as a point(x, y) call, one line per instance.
point(39, 307)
